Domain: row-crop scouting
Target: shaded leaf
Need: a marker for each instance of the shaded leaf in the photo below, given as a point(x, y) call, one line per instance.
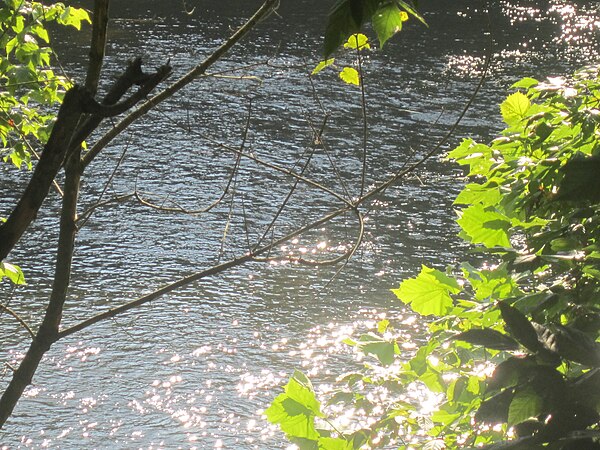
point(509, 372)
point(495, 409)
point(525, 404)
point(519, 327)
point(575, 345)
point(341, 24)
point(487, 337)
point(387, 21)
point(581, 180)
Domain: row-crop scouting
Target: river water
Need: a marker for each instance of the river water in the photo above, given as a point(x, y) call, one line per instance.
point(196, 368)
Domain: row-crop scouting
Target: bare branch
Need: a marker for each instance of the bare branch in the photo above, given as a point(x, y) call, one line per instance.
point(200, 69)
point(99, 26)
point(18, 318)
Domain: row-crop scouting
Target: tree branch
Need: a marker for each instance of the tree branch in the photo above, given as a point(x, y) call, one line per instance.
point(200, 69)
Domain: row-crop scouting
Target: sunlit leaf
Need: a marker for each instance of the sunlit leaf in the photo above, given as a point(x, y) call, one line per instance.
point(514, 108)
point(357, 41)
point(350, 76)
point(322, 65)
point(12, 272)
point(384, 350)
point(485, 226)
point(428, 293)
point(295, 410)
point(525, 83)
point(329, 443)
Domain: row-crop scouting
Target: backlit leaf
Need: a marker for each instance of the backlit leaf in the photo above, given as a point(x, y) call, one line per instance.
point(384, 350)
point(322, 65)
point(296, 409)
point(428, 293)
point(485, 226)
point(329, 443)
point(514, 108)
point(12, 272)
point(358, 41)
point(350, 76)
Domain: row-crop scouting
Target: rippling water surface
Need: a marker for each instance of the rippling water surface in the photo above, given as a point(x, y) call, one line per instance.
point(197, 367)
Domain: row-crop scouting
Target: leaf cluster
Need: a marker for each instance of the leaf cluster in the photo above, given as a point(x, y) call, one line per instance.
point(348, 17)
point(512, 357)
point(29, 87)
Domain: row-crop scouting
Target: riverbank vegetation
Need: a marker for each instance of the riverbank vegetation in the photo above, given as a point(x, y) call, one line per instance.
point(512, 352)
point(512, 360)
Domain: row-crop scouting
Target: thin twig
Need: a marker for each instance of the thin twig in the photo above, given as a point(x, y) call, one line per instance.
point(108, 182)
point(363, 105)
point(168, 92)
point(18, 318)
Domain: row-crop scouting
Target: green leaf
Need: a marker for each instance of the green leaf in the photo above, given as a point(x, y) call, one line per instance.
point(329, 443)
point(428, 293)
point(357, 41)
point(519, 327)
point(525, 83)
point(487, 337)
point(514, 108)
point(382, 349)
point(524, 405)
point(296, 409)
point(387, 21)
point(476, 193)
point(322, 65)
point(383, 325)
point(12, 272)
point(412, 11)
point(485, 226)
point(74, 17)
point(350, 76)
point(341, 24)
